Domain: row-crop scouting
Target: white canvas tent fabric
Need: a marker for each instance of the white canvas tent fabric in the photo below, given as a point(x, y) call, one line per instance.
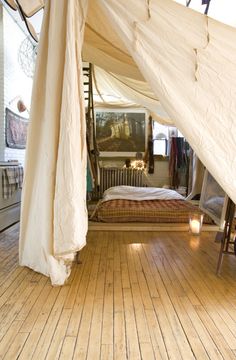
point(54, 215)
point(31, 7)
point(221, 10)
point(189, 62)
point(197, 175)
point(112, 91)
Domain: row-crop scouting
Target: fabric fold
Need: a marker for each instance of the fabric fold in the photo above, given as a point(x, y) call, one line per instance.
point(202, 105)
point(54, 216)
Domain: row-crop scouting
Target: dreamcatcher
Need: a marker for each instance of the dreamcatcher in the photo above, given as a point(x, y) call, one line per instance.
point(27, 56)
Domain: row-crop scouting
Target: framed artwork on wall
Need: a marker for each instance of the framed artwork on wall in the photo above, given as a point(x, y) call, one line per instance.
point(121, 132)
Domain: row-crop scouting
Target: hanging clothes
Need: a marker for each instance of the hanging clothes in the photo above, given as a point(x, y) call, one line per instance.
point(90, 180)
point(178, 161)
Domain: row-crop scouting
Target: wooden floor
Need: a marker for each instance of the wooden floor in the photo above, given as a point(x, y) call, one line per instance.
point(135, 296)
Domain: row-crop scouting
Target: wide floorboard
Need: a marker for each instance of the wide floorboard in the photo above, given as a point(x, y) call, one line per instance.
point(136, 295)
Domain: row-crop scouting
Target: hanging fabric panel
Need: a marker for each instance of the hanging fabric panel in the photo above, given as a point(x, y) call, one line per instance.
point(189, 61)
point(112, 90)
point(54, 215)
point(103, 46)
point(196, 175)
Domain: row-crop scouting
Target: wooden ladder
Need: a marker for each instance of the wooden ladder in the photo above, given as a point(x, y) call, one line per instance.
point(92, 147)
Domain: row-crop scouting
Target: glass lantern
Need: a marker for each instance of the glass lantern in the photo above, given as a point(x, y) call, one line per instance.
point(195, 223)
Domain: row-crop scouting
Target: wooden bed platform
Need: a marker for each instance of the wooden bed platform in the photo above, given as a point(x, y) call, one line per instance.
point(100, 226)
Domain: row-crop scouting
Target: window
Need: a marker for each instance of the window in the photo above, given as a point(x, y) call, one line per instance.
point(161, 135)
point(160, 147)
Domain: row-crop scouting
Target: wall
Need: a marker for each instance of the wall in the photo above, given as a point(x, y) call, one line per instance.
point(13, 81)
point(2, 138)
point(161, 174)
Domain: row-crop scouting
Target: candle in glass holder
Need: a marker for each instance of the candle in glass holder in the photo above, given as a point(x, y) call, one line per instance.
point(195, 223)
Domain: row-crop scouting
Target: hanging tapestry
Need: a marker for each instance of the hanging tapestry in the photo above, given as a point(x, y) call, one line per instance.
point(16, 130)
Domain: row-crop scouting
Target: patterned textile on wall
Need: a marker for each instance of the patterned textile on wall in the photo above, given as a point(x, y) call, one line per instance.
point(16, 130)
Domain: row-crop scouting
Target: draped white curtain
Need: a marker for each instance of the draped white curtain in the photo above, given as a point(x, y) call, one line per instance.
point(112, 90)
point(189, 61)
point(196, 176)
point(54, 215)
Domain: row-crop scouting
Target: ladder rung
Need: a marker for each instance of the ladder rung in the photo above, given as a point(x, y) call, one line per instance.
point(86, 83)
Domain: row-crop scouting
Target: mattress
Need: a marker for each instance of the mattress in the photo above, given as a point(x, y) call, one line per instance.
point(149, 211)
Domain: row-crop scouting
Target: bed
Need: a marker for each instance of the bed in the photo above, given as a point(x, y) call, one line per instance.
point(122, 204)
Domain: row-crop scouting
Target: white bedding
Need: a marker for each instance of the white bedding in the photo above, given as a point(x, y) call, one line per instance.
point(140, 193)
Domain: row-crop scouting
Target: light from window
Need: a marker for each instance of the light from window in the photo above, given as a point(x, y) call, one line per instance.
point(161, 135)
point(160, 147)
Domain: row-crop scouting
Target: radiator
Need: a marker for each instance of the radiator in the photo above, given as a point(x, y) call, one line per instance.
point(115, 176)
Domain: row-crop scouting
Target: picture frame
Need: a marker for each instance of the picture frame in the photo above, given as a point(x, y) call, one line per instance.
point(121, 132)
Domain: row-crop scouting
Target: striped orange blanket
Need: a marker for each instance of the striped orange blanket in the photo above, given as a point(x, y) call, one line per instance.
point(156, 211)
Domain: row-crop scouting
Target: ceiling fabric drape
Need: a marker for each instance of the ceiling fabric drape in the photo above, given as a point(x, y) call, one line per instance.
point(54, 215)
point(115, 91)
point(189, 61)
